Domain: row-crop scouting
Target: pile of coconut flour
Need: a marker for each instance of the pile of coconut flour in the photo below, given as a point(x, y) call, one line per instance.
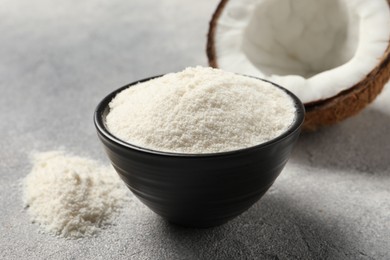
point(200, 110)
point(72, 196)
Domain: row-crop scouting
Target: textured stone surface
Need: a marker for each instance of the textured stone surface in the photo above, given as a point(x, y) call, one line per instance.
point(59, 58)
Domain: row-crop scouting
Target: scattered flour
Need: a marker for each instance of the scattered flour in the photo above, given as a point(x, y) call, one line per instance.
point(72, 196)
point(200, 110)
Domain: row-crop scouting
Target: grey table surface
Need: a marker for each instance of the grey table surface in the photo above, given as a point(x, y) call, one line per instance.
point(59, 58)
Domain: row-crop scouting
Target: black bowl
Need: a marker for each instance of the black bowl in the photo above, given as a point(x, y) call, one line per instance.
point(198, 190)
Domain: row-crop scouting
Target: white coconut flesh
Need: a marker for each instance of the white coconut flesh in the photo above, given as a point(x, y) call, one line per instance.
point(314, 48)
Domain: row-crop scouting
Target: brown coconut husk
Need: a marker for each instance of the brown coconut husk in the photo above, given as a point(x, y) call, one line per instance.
point(332, 110)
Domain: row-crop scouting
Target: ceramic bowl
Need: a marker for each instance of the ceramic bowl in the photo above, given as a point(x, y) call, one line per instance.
point(198, 190)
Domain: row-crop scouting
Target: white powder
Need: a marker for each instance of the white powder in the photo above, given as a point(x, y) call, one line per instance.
point(72, 196)
point(200, 110)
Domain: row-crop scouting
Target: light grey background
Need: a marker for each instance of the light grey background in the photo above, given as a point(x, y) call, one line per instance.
point(59, 58)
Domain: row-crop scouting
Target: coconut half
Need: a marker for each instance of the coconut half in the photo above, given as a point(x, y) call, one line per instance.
point(333, 54)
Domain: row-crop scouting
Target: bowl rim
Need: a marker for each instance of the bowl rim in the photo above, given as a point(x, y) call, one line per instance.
point(103, 130)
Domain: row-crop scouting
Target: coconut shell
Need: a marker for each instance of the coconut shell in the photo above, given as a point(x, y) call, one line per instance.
point(331, 110)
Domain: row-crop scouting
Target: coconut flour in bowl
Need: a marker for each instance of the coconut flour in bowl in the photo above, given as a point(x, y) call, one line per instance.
point(200, 110)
